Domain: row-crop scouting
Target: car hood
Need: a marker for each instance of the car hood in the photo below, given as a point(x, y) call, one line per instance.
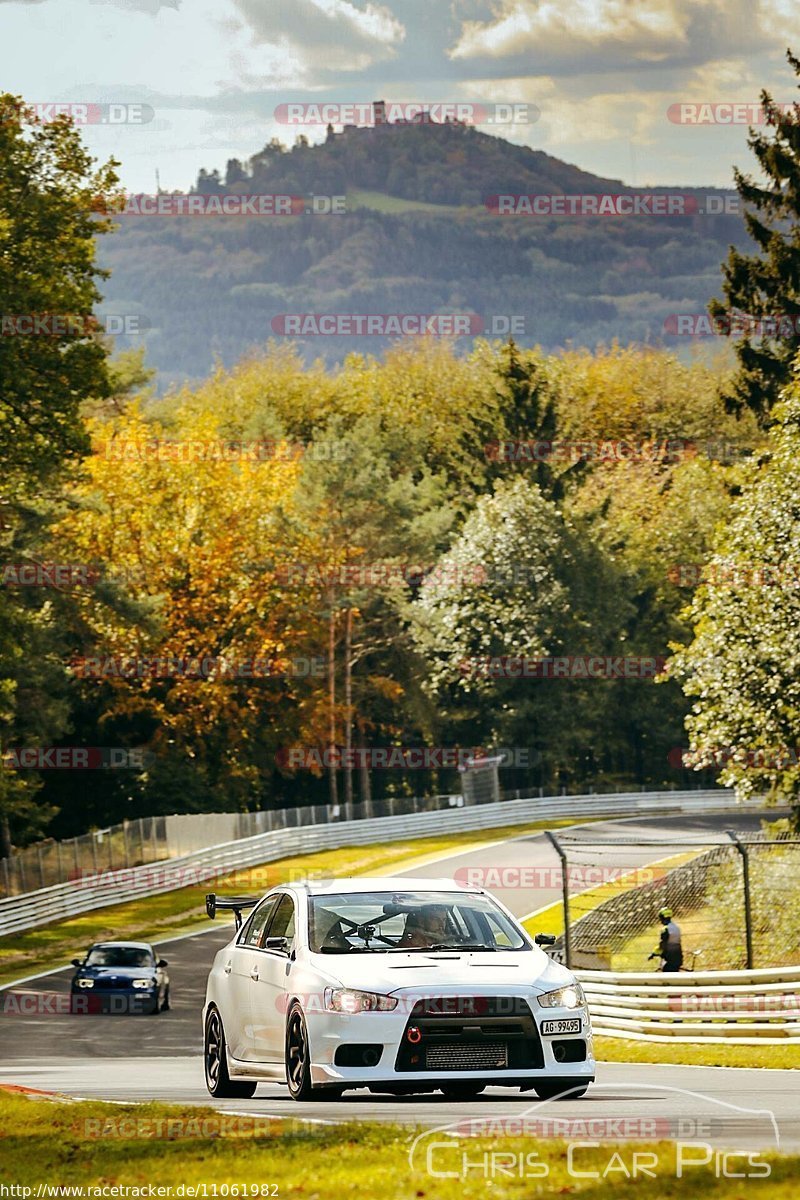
point(418, 971)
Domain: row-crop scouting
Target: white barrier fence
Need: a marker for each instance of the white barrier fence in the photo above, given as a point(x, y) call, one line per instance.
point(743, 1008)
point(33, 909)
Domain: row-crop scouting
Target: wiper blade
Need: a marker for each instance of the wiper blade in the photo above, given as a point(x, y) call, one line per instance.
point(354, 950)
point(459, 946)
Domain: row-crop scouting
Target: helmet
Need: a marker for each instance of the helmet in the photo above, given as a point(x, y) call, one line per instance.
point(666, 913)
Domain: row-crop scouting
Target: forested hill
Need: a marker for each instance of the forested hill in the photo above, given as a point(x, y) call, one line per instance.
point(416, 237)
point(441, 164)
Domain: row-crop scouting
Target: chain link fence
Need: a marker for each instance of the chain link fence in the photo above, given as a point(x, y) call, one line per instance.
point(737, 902)
point(155, 839)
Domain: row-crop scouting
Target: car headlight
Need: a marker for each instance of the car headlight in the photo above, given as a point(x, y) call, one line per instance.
point(85, 983)
point(144, 983)
point(347, 1000)
point(570, 996)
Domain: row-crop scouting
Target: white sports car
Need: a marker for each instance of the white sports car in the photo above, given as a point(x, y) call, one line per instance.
point(396, 985)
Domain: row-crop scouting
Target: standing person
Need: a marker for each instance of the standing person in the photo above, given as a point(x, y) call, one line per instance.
point(670, 950)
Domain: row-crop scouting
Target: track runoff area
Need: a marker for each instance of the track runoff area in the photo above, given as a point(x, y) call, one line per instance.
point(138, 1058)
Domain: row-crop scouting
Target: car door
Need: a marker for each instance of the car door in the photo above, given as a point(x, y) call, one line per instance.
point(237, 966)
point(270, 979)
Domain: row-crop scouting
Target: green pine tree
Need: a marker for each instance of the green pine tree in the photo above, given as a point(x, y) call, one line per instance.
point(762, 290)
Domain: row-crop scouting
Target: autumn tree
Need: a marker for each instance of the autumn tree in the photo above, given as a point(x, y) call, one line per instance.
point(742, 668)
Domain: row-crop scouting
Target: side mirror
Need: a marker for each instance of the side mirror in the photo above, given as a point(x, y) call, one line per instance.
point(76, 962)
point(162, 962)
point(277, 943)
point(545, 939)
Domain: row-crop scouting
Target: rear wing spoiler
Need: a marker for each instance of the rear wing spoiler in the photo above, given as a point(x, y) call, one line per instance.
point(235, 903)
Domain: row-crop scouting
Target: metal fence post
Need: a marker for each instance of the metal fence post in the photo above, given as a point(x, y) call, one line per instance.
point(748, 915)
point(562, 854)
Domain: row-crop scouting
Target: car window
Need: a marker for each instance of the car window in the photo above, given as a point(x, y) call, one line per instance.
point(387, 922)
point(119, 956)
point(253, 934)
point(282, 923)
point(499, 935)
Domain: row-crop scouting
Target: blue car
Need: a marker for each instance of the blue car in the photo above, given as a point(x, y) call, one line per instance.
point(121, 977)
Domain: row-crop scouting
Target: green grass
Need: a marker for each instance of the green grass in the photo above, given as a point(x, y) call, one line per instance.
point(381, 202)
point(57, 1143)
point(624, 1050)
point(183, 910)
point(551, 919)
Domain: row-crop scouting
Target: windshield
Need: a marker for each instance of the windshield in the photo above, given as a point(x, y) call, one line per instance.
point(119, 956)
point(375, 922)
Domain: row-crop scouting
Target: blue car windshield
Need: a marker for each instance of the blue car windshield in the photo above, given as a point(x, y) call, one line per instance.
point(119, 956)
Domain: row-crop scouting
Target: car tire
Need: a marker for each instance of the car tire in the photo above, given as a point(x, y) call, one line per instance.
point(215, 1061)
point(560, 1089)
point(462, 1091)
point(298, 1061)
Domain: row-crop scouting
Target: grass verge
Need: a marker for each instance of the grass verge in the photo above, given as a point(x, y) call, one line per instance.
point(382, 202)
point(101, 1145)
point(183, 910)
point(624, 1050)
point(551, 920)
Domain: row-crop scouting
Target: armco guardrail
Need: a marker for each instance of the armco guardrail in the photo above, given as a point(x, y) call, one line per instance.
point(746, 1008)
point(33, 909)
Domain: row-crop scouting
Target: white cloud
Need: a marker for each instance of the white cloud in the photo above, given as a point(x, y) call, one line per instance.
point(650, 26)
point(322, 33)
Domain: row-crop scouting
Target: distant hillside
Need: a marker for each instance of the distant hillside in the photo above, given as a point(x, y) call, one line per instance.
point(441, 164)
point(416, 238)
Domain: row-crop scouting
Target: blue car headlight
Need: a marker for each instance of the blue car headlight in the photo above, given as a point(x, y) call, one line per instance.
point(85, 983)
point(144, 983)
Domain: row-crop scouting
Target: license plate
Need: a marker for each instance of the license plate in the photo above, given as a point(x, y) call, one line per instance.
point(567, 1025)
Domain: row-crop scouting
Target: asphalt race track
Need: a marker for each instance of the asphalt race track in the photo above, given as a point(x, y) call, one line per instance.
point(159, 1057)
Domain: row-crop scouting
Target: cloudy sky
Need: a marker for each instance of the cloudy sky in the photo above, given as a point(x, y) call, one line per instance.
point(603, 73)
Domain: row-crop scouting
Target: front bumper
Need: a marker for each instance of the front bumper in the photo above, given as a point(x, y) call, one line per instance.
point(377, 1047)
point(135, 1001)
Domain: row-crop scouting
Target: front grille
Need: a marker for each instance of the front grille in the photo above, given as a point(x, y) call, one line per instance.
point(474, 1056)
point(470, 1033)
point(104, 983)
